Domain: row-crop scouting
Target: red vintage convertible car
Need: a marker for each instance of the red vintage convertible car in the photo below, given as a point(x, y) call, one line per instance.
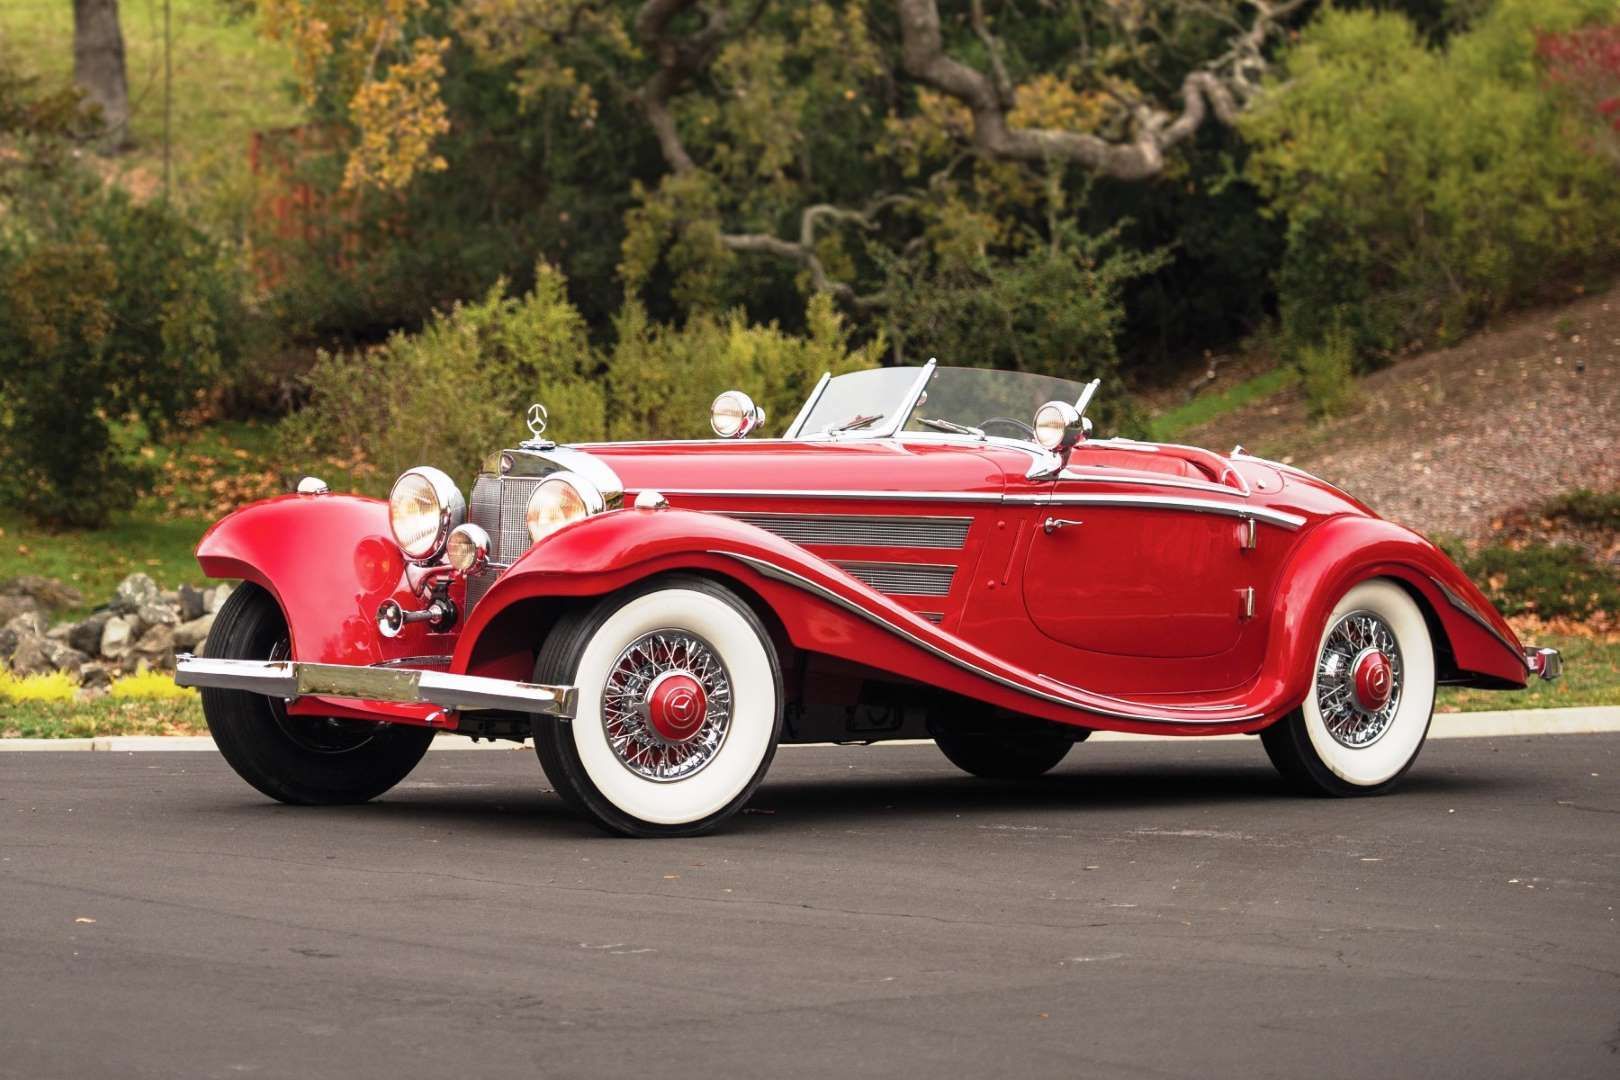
point(912, 558)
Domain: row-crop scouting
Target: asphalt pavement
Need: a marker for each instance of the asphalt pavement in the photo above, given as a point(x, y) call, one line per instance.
point(1151, 909)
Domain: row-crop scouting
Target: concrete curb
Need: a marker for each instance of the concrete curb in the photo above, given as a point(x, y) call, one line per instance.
point(1589, 720)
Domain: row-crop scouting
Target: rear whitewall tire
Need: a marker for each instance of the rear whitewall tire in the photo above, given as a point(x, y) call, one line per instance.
point(584, 649)
point(1304, 749)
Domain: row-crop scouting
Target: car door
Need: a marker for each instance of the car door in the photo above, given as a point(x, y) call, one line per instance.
point(1134, 566)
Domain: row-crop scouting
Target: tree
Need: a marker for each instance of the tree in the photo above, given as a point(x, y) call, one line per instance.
point(98, 65)
point(820, 135)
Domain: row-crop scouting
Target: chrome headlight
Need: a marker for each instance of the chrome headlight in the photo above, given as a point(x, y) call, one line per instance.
point(561, 498)
point(1058, 425)
point(423, 507)
point(734, 414)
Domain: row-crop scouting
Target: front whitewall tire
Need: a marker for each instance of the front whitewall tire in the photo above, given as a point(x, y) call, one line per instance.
point(579, 757)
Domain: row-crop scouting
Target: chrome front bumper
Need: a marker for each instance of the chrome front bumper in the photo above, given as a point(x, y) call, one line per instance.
point(401, 686)
point(1544, 662)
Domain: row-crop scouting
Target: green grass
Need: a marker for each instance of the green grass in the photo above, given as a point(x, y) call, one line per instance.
point(1591, 677)
point(1206, 407)
point(229, 81)
point(105, 716)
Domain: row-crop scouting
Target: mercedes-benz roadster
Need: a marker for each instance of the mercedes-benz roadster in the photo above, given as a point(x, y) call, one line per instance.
point(926, 552)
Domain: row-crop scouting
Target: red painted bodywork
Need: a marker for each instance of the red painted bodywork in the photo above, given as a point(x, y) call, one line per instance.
point(1130, 618)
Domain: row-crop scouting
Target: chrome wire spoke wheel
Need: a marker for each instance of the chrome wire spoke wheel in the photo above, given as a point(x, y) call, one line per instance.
point(1371, 696)
point(1359, 678)
point(666, 706)
point(680, 706)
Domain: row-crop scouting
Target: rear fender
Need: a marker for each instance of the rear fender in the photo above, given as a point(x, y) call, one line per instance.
point(1346, 550)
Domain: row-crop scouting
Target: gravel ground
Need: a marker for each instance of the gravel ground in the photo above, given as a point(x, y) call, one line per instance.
point(1450, 441)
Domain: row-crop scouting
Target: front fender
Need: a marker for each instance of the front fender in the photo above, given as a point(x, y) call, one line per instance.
point(329, 560)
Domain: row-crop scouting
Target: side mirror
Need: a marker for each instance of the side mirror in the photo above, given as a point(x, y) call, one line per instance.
point(734, 414)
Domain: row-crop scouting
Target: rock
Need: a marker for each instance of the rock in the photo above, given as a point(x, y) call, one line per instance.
point(37, 655)
point(86, 636)
point(158, 615)
point(188, 636)
point(156, 646)
point(94, 676)
point(193, 603)
point(30, 658)
point(48, 593)
point(18, 629)
point(64, 657)
point(135, 592)
point(60, 631)
point(117, 638)
point(217, 597)
point(13, 606)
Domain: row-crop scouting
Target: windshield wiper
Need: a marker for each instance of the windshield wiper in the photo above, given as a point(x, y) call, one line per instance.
point(853, 423)
point(951, 426)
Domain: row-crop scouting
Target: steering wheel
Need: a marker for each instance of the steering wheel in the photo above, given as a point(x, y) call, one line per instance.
point(1023, 429)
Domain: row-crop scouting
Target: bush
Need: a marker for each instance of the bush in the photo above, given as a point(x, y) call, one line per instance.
point(458, 389)
point(1328, 374)
point(107, 333)
point(114, 316)
point(662, 379)
point(149, 686)
point(1593, 509)
point(1055, 309)
point(1547, 580)
point(51, 686)
point(1426, 188)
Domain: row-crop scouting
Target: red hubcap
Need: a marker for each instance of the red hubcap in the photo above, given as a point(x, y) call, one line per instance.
point(1374, 680)
point(676, 706)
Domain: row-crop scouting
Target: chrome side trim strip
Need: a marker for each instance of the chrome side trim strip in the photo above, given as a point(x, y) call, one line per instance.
point(1485, 624)
point(401, 686)
point(1167, 502)
point(779, 573)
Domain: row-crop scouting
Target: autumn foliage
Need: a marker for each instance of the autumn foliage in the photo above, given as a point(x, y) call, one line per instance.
point(1584, 64)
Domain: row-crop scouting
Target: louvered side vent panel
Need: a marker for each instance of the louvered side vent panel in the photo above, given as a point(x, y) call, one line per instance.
point(863, 530)
point(902, 579)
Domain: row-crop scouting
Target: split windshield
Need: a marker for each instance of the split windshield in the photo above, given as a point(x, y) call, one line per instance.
point(871, 403)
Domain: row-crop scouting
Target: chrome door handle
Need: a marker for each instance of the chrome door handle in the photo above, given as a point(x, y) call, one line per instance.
point(1052, 524)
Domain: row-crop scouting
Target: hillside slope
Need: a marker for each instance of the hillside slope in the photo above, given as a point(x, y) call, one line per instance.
point(1448, 441)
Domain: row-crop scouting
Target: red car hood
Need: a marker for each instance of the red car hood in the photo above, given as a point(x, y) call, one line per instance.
point(772, 465)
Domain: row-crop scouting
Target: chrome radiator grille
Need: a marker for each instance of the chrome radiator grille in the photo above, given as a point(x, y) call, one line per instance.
point(498, 506)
